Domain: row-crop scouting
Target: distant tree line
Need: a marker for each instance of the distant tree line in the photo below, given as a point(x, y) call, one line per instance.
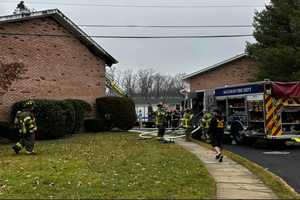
point(148, 83)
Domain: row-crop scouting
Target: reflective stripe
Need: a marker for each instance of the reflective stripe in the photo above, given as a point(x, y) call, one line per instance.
point(296, 139)
point(220, 123)
point(27, 118)
point(187, 120)
point(19, 144)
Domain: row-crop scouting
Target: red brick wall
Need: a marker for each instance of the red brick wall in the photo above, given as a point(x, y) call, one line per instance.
point(55, 67)
point(236, 72)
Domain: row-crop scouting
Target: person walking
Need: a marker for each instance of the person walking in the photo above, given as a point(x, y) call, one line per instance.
point(25, 122)
point(216, 132)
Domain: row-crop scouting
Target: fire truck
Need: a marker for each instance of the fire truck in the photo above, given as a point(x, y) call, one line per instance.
point(268, 110)
point(259, 110)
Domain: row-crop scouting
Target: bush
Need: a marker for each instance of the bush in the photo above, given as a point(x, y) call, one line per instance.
point(120, 111)
point(56, 118)
point(51, 118)
point(69, 112)
point(8, 131)
point(82, 108)
point(94, 125)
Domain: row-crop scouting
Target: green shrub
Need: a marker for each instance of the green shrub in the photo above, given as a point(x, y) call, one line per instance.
point(70, 113)
point(51, 117)
point(82, 108)
point(94, 125)
point(8, 131)
point(119, 111)
point(56, 118)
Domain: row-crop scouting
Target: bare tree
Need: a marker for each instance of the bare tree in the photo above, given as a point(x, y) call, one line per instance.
point(148, 83)
point(158, 79)
point(178, 83)
point(145, 81)
point(129, 80)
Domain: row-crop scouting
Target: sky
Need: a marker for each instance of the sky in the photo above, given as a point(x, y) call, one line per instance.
point(167, 56)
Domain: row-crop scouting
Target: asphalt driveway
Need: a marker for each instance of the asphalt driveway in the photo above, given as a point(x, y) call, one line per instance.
point(284, 162)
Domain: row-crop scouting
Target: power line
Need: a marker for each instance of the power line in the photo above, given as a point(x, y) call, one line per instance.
point(164, 26)
point(143, 6)
point(129, 37)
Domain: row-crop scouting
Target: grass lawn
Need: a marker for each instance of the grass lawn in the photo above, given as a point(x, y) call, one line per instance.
point(106, 165)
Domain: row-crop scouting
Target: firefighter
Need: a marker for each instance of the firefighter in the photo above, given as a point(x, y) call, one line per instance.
point(187, 124)
point(25, 122)
point(216, 132)
point(160, 120)
point(175, 119)
point(205, 122)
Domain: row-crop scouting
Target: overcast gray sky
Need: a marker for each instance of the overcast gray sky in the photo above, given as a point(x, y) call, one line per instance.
point(168, 56)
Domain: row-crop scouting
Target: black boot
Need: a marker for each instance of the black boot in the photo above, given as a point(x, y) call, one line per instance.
point(221, 158)
point(16, 149)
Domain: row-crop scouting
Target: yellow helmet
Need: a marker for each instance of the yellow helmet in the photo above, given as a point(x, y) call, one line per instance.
point(28, 104)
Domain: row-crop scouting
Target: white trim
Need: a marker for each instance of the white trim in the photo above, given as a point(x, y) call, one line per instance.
point(197, 91)
point(237, 96)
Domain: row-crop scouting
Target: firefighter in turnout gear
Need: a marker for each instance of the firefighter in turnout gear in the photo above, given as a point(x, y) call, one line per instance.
point(25, 122)
point(187, 124)
point(205, 122)
point(216, 132)
point(160, 120)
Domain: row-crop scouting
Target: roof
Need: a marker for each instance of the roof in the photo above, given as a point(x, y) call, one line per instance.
point(202, 71)
point(67, 24)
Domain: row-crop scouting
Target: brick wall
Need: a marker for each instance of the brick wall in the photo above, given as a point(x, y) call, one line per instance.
point(236, 72)
point(52, 67)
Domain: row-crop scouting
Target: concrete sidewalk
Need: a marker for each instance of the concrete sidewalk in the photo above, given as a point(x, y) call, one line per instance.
point(233, 180)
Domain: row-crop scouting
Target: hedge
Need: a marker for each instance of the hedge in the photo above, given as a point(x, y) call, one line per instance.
point(94, 125)
point(119, 111)
point(82, 108)
point(8, 131)
point(54, 118)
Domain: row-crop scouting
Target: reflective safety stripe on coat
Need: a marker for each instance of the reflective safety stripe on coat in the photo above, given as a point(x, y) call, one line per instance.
point(220, 123)
point(187, 120)
point(26, 124)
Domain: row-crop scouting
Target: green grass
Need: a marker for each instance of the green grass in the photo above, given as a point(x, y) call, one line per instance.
point(280, 188)
point(106, 165)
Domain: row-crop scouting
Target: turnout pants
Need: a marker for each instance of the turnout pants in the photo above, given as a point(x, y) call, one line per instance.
point(188, 134)
point(27, 142)
point(161, 131)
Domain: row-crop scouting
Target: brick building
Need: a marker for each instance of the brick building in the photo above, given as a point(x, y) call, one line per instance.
point(237, 70)
point(45, 55)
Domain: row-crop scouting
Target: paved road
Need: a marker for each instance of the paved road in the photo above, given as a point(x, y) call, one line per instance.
point(284, 162)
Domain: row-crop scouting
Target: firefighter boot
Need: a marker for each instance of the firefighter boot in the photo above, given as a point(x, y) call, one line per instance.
point(17, 148)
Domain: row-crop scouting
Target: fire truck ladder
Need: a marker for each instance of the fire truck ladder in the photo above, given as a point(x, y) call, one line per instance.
point(112, 85)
